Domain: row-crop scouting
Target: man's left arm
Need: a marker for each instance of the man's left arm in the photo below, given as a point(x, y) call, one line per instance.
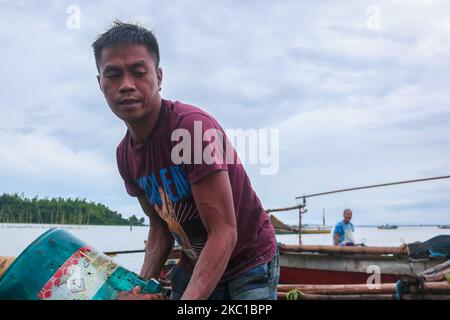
point(338, 232)
point(214, 199)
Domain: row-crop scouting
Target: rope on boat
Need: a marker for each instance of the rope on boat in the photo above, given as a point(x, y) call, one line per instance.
point(294, 294)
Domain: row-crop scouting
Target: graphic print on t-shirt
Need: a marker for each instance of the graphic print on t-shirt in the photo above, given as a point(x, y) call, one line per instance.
point(169, 201)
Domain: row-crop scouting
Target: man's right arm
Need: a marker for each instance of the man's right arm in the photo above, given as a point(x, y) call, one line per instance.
point(159, 245)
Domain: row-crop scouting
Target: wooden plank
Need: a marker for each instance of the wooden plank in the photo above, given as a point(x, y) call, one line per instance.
point(384, 288)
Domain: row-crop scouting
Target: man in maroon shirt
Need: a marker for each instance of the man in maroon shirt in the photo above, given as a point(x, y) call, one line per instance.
point(191, 191)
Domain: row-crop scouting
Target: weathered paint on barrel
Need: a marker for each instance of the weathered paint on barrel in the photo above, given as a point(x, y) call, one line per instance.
point(59, 266)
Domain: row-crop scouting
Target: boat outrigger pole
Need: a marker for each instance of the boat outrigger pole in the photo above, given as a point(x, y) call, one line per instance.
point(372, 186)
point(301, 210)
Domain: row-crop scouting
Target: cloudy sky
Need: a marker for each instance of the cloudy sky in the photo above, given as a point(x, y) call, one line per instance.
point(359, 91)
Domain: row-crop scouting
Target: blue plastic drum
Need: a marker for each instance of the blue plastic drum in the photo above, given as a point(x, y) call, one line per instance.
point(59, 266)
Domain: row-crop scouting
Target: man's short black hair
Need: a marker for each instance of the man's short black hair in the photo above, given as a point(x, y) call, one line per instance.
point(126, 33)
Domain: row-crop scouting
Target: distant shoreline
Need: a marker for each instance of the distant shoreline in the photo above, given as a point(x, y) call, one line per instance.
point(24, 225)
point(402, 225)
point(375, 225)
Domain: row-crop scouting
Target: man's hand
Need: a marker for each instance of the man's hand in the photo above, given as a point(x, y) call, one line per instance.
point(136, 294)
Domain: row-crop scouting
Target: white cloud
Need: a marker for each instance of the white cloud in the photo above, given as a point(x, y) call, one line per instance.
point(44, 158)
point(354, 105)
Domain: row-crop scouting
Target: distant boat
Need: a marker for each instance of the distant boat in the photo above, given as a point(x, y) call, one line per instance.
point(282, 228)
point(315, 229)
point(444, 226)
point(388, 227)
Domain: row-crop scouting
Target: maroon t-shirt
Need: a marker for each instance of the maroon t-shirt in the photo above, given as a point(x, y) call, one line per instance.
point(150, 170)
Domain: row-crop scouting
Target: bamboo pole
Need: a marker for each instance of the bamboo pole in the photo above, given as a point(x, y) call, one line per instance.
point(300, 225)
point(360, 289)
point(113, 253)
point(284, 248)
point(438, 268)
point(437, 273)
point(283, 296)
point(284, 209)
point(174, 254)
point(338, 289)
point(402, 250)
point(372, 186)
point(426, 297)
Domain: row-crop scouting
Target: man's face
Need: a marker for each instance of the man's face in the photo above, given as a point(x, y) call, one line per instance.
point(347, 216)
point(129, 81)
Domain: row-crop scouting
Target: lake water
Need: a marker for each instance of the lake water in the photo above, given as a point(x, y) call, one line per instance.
point(14, 240)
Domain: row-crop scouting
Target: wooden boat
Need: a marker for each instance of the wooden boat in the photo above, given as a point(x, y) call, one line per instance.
point(343, 273)
point(347, 265)
point(316, 264)
point(387, 227)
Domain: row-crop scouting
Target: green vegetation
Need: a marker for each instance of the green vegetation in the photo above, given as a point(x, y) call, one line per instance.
point(16, 208)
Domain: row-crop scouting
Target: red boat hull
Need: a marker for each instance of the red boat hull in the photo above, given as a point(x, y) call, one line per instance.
point(313, 276)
